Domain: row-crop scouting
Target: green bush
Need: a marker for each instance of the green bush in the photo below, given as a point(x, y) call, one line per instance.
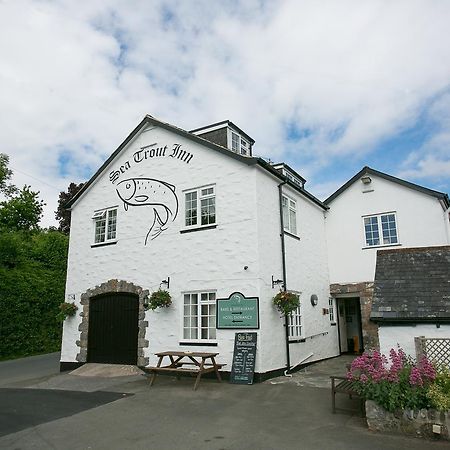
point(439, 390)
point(32, 287)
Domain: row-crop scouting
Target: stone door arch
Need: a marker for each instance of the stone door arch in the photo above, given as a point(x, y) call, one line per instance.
point(113, 286)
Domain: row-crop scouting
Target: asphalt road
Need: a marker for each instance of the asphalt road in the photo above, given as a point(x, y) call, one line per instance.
point(23, 369)
point(170, 415)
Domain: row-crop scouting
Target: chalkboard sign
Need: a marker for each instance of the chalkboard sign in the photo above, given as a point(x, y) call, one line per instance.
point(244, 356)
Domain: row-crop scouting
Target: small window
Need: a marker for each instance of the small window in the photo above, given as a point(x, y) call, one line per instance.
point(199, 317)
point(380, 230)
point(295, 324)
point(105, 225)
point(289, 215)
point(244, 147)
point(200, 207)
point(331, 309)
point(235, 140)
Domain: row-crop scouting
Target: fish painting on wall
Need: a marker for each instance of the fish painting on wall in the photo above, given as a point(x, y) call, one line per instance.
point(151, 193)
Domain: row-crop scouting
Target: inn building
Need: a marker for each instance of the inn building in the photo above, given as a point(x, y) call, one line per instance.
point(197, 214)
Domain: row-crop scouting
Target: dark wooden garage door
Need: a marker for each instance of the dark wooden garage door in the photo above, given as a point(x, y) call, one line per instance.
point(113, 329)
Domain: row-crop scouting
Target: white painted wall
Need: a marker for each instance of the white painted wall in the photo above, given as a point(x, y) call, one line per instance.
point(307, 272)
point(391, 336)
point(203, 260)
point(247, 234)
point(421, 221)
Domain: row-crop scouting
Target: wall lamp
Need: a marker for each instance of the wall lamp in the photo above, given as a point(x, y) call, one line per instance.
point(276, 282)
point(366, 179)
point(166, 282)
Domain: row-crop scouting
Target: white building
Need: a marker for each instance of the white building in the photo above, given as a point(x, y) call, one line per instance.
point(375, 211)
point(199, 212)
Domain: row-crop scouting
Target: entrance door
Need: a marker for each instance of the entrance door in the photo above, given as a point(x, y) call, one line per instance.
point(350, 330)
point(113, 329)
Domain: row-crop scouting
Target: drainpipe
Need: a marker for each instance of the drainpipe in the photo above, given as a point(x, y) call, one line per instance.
point(283, 261)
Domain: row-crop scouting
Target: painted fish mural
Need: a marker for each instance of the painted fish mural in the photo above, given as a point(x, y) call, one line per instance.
point(156, 194)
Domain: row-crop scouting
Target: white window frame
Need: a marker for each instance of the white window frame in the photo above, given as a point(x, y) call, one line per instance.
point(109, 216)
point(211, 305)
point(200, 196)
point(291, 207)
point(238, 144)
point(380, 230)
point(331, 310)
point(295, 325)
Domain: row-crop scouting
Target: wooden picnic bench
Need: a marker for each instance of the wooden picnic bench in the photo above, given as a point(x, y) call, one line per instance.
point(344, 386)
point(195, 363)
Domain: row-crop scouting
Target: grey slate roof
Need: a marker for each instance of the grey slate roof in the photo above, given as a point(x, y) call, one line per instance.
point(412, 284)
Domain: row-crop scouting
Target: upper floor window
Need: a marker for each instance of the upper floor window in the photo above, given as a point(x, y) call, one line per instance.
point(199, 317)
point(380, 229)
point(239, 144)
point(289, 215)
point(200, 206)
point(105, 225)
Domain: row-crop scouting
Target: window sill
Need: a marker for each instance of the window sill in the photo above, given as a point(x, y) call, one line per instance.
point(206, 227)
point(381, 246)
point(199, 344)
point(292, 235)
point(296, 341)
point(102, 244)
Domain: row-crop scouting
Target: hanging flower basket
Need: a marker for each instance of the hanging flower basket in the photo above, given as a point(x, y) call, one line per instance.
point(286, 302)
point(159, 299)
point(66, 310)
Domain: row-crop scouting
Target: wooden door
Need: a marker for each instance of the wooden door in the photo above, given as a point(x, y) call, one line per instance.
point(113, 329)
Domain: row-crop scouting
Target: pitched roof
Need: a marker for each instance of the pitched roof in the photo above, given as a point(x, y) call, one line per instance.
point(369, 171)
point(412, 284)
point(248, 160)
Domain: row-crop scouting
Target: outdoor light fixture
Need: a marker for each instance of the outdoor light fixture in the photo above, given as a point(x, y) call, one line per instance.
point(276, 282)
point(166, 282)
point(366, 179)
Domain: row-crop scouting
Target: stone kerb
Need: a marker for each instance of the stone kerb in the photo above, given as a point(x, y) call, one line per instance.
point(113, 286)
point(418, 423)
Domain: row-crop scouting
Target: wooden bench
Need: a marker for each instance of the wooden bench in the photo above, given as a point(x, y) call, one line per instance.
point(199, 363)
point(344, 386)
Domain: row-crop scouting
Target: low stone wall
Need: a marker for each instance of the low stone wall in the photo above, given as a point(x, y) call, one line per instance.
point(418, 423)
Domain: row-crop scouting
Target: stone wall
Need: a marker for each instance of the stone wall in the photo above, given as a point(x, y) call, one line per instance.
point(418, 423)
point(365, 293)
point(112, 286)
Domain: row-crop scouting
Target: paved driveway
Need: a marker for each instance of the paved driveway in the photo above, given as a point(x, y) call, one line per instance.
point(170, 415)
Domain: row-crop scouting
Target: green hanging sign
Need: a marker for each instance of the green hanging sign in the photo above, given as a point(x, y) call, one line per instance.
point(237, 312)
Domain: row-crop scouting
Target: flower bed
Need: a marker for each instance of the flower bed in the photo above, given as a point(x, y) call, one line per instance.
point(403, 395)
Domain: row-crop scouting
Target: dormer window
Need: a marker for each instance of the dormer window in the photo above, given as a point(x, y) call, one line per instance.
point(239, 144)
point(227, 135)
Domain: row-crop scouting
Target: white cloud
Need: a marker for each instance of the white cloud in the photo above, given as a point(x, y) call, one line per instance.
point(76, 77)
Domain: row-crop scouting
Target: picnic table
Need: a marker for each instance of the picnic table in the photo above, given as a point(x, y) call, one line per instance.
point(186, 362)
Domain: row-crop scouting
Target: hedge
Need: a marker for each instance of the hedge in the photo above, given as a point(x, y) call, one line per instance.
point(32, 283)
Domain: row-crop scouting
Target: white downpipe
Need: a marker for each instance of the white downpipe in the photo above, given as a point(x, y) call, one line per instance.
point(293, 367)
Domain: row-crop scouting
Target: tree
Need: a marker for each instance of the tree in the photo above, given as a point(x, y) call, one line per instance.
point(6, 188)
point(62, 214)
point(22, 212)
point(22, 209)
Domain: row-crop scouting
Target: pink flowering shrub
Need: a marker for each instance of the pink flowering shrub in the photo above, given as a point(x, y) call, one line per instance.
point(397, 382)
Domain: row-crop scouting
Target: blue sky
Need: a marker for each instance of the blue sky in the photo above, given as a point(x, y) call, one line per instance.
point(327, 87)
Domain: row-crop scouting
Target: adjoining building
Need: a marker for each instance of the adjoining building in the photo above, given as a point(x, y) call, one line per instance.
point(374, 211)
point(196, 213)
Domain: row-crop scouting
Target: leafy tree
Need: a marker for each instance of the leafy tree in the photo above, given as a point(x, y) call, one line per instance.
point(22, 209)
point(6, 188)
point(21, 212)
point(62, 214)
